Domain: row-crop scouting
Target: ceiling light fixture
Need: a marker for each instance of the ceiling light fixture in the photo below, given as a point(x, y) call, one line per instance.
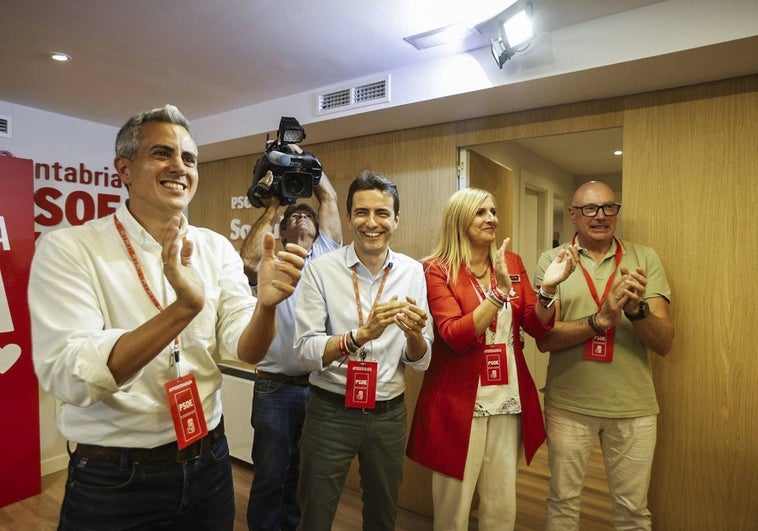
point(515, 33)
point(60, 57)
point(441, 36)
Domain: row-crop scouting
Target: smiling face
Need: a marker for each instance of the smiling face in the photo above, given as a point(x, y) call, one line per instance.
point(481, 230)
point(162, 177)
point(373, 220)
point(596, 232)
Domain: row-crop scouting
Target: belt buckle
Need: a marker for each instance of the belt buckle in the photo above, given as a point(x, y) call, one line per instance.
point(190, 453)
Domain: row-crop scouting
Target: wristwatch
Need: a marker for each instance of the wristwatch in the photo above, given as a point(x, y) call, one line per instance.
point(644, 311)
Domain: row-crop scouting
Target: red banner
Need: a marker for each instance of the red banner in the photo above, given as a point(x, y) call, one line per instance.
point(19, 399)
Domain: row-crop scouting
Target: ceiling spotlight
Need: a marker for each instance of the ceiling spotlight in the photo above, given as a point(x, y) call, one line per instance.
point(60, 57)
point(515, 33)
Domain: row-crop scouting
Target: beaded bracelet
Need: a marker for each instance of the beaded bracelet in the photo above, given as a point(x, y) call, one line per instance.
point(499, 294)
point(343, 346)
point(494, 300)
point(496, 297)
point(350, 342)
point(545, 300)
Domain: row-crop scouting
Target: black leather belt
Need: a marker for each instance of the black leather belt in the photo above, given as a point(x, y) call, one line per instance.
point(294, 380)
point(166, 452)
point(382, 406)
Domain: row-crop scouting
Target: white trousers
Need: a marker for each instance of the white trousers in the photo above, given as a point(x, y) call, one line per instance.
point(491, 465)
point(628, 446)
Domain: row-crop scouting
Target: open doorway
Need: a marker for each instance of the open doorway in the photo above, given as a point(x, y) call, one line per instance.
point(542, 174)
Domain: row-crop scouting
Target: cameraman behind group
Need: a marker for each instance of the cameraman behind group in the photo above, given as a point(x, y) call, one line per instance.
point(281, 388)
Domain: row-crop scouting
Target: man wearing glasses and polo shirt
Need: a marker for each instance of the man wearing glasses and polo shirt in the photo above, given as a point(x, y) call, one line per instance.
point(609, 312)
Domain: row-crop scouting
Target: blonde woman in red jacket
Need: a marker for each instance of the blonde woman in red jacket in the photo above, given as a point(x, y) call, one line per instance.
point(478, 402)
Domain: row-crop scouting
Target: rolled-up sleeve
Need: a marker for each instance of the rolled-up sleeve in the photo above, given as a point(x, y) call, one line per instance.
point(70, 344)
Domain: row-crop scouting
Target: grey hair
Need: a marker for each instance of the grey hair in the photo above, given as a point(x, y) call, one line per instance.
point(130, 136)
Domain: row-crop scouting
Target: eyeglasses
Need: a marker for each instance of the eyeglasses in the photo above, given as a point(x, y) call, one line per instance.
point(590, 211)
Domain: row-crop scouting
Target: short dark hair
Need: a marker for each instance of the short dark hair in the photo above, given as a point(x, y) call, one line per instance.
point(297, 207)
point(129, 136)
point(370, 180)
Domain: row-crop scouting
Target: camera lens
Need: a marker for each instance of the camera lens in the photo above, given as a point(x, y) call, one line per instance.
point(295, 185)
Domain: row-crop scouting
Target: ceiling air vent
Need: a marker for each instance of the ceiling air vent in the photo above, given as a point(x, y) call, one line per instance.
point(358, 96)
point(334, 100)
point(5, 126)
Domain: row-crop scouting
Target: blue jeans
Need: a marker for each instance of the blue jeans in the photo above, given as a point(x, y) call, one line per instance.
point(332, 436)
point(112, 495)
point(277, 419)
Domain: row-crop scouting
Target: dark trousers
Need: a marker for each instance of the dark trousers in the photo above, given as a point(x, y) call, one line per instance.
point(332, 436)
point(120, 494)
point(277, 420)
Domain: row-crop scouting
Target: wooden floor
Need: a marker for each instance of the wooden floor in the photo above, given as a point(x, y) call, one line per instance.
point(40, 513)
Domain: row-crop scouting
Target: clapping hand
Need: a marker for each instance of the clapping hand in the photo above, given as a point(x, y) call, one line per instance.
point(279, 273)
point(177, 268)
point(501, 268)
point(560, 268)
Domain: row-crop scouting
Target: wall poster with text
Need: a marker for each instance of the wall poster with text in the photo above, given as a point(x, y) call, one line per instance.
point(19, 398)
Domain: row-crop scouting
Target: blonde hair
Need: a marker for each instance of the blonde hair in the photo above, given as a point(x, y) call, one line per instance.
point(454, 246)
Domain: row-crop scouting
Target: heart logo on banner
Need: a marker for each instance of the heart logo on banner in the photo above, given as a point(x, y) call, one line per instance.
point(9, 355)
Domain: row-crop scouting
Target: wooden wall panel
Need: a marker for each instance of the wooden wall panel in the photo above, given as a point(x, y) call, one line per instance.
point(220, 181)
point(690, 159)
point(689, 192)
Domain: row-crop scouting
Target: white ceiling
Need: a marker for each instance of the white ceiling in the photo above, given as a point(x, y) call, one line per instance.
point(234, 66)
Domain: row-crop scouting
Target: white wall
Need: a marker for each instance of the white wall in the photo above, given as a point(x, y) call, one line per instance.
point(48, 138)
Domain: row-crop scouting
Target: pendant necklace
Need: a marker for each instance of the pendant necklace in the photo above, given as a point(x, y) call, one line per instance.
point(486, 269)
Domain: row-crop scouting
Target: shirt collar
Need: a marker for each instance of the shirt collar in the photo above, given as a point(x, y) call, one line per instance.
point(137, 232)
point(351, 259)
point(610, 253)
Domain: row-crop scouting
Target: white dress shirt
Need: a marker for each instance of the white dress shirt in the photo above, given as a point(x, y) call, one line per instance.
point(326, 306)
point(84, 294)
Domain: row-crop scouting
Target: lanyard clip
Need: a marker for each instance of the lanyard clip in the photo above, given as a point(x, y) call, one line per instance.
point(174, 354)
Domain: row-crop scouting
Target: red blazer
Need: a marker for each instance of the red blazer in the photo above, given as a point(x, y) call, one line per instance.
point(442, 422)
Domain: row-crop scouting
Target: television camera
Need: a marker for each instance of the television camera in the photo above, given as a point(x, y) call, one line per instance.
point(295, 174)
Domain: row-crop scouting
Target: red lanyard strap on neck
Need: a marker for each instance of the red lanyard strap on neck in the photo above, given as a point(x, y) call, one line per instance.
point(591, 283)
point(136, 264)
point(142, 279)
point(357, 292)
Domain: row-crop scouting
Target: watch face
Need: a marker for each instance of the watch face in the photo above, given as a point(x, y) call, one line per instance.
point(643, 311)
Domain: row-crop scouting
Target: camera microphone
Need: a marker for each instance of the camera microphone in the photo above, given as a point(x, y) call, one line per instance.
point(279, 158)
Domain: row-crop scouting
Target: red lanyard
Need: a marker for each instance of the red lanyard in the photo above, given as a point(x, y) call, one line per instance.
point(143, 280)
point(480, 291)
point(591, 283)
point(358, 293)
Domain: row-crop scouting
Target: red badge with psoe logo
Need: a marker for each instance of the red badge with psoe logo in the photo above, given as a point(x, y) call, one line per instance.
point(494, 365)
point(600, 347)
point(186, 410)
point(361, 384)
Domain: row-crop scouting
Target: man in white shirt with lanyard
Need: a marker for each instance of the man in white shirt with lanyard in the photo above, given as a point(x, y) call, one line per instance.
point(126, 312)
point(599, 382)
point(361, 316)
